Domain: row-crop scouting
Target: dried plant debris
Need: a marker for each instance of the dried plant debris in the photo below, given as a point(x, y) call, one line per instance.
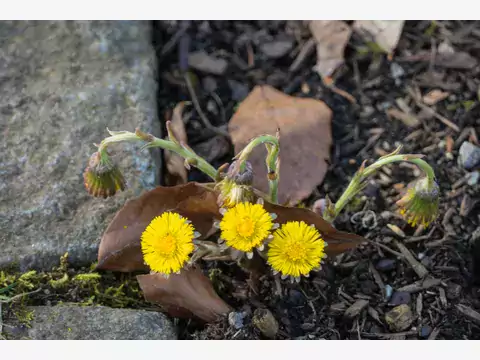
point(385, 33)
point(331, 37)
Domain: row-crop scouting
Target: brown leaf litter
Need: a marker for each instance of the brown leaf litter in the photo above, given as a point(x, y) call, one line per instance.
point(305, 139)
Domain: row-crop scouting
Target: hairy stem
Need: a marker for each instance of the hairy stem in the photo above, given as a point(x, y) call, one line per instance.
point(359, 180)
point(191, 158)
point(272, 161)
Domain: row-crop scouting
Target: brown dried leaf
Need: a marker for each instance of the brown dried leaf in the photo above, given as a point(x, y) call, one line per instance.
point(305, 132)
point(338, 241)
point(435, 96)
point(332, 38)
point(120, 248)
point(184, 295)
point(384, 33)
point(176, 171)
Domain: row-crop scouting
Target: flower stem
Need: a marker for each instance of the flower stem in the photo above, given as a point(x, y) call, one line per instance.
point(358, 181)
point(272, 161)
point(191, 158)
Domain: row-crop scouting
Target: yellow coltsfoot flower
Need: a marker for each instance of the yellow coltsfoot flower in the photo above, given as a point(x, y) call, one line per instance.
point(102, 178)
point(420, 203)
point(296, 249)
point(246, 226)
point(167, 243)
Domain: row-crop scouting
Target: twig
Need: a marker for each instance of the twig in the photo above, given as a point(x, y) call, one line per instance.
point(19, 296)
point(1, 320)
point(377, 278)
point(197, 106)
point(416, 266)
point(386, 248)
point(306, 50)
point(439, 117)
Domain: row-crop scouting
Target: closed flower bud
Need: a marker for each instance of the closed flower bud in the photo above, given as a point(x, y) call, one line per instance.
point(102, 177)
point(420, 203)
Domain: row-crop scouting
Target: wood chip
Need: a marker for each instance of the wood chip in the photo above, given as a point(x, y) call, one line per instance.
point(434, 334)
point(469, 313)
point(421, 285)
point(407, 119)
point(435, 96)
point(443, 298)
point(416, 266)
point(355, 309)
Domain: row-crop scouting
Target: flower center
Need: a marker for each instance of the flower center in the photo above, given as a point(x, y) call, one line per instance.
point(296, 252)
point(245, 227)
point(167, 244)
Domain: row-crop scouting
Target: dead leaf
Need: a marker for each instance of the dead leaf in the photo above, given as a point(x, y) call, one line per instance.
point(305, 139)
point(408, 119)
point(384, 33)
point(435, 96)
point(331, 37)
point(120, 248)
point(338, 241)
point(184, 295)
point(175, 164)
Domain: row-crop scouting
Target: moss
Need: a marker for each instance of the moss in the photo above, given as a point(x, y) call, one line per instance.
point(25, 316)
point(60, 283)
point(86, 280)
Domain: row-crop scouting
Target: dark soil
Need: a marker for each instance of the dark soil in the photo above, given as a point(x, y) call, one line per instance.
point(315, 309)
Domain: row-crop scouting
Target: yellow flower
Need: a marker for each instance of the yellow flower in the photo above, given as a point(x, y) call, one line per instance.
point(296, 249)
point(420, 203)
point(102, 178)
point(245, 226)
point(167, 243)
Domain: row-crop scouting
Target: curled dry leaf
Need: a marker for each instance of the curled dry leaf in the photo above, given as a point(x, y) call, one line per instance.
point(184, 295)
point(120, 248)
point(305, 139)
point(331, 37)
point(338, 241)
point(384, 33)
point(176, 171)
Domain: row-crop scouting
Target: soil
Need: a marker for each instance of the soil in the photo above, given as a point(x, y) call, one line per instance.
point(315, 309)
point(331, 305)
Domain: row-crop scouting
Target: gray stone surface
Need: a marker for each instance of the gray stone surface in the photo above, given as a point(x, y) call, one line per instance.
point(91, 323)
point(62, 83)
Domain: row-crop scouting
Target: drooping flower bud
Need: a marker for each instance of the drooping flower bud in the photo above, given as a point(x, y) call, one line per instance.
point(420, 203)
point(102, 177)
point(236, 186)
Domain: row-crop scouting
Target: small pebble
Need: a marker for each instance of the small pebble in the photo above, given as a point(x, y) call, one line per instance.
point(425, 331)
point(388, 291)
point(264, 320)
point(277, 49)
point(453, 291)
point(399, 298)
point(399, 318)
point(473, 178)
point(469, 155)
point(235, 319)
point(386, 264)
